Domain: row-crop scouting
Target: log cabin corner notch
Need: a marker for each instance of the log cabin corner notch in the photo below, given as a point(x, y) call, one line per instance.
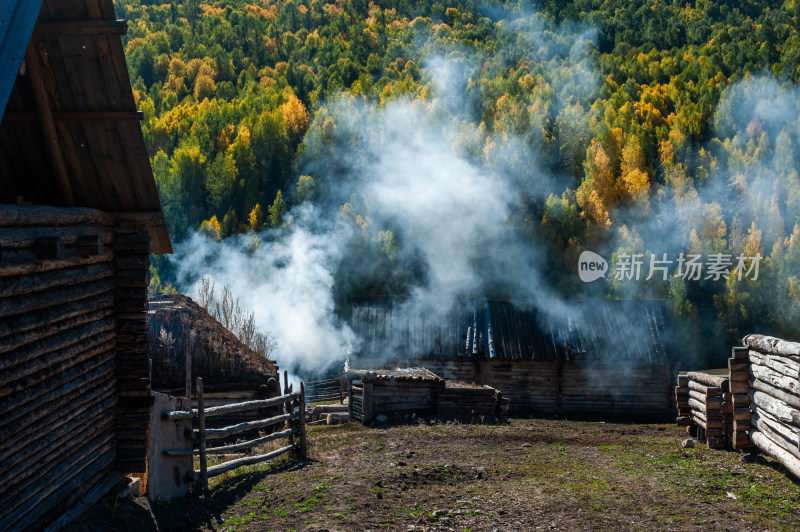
point(79, 216)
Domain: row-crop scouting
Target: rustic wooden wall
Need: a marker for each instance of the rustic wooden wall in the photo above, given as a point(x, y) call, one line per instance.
point(73, 369)
point(617, 387)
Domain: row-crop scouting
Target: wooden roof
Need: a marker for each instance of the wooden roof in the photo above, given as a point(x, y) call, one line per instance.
point(70, 134)
point(586, 330)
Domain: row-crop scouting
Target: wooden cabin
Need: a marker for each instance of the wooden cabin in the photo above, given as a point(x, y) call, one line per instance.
point(401, 392)
point(605, 356)
point(79, 217)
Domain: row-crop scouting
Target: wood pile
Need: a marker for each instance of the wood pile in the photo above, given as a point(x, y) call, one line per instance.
point(774, 382)
point(400, 392)
point(739, 372)
point(473, 402)
point(704, 407)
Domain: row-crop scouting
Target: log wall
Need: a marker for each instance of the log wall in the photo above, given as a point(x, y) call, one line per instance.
point(625, 387)
point(774, 398)
point(74, 379)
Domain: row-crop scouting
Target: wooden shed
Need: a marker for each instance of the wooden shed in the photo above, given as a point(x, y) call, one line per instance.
point(79, 216)
point(604, 356)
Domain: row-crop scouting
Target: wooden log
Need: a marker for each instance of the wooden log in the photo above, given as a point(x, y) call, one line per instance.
point(783, 365)
point(741, 399)
point(16, 325)
point(737, 366)
point(772, 345)
point(367, 408)
point(763, 373)
point(224, 432)
point(61, 388)
point(682, 380)
point(775, 407)
point(303, 449)
point(715, 443)
point(25, 262)
point(231, 408)
point(785, 436)
point(738, 387)
point(53, 298)
point(59, 348)
point(683, 421)
point(766, 387)
point(697, 406)
point(90, 245)
point(12, 215)
point(85, 472)
point(38, 371)
point(716, 381)
point(739, 376)
point(38, 282)
point(704, 389)
point(12, 342)
point(78, 235)
point(741, 414)
point(741, 441)
point(786, 459)
point(248, 460)
point(201, 424)
point(30, 462)
point(739, 353)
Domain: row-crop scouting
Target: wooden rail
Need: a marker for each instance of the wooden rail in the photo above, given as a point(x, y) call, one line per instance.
point(324, 391)
point(294, 417)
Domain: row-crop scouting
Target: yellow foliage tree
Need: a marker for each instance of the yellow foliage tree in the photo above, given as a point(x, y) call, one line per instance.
point(212, 227)
point(256, 218)
point(295, 116)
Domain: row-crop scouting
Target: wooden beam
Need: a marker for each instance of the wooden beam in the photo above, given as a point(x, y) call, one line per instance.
point(45, 114)
point(77, 116)
point(83, 27)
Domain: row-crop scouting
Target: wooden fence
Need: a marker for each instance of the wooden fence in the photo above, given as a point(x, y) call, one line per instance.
point(324, 391)
point(293, 417)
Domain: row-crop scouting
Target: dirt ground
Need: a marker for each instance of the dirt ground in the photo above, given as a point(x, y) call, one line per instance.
point(528, 474)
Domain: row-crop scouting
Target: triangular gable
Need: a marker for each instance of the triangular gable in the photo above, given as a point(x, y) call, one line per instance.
point(17, 19)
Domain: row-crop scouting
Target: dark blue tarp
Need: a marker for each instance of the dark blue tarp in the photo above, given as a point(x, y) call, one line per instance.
point(17, 19)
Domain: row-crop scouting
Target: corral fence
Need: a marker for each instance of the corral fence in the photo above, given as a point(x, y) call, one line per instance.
point(325, 391)
point(291, 421)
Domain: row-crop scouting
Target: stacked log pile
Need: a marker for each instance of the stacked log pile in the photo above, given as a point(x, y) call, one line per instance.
point(400, 392)
point(465, 401)
point(774, 369)
point(739, 371)
point(705, 407)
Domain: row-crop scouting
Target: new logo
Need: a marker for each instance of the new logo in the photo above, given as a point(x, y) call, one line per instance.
point(591, 266)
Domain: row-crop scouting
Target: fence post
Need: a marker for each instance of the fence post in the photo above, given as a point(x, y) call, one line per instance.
point(201, 424)
point(350, 399)
point(302, 423)
point(188, 371)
